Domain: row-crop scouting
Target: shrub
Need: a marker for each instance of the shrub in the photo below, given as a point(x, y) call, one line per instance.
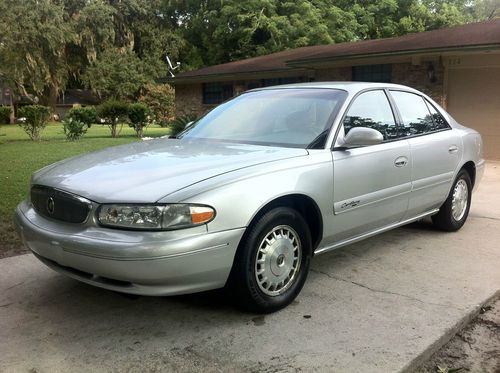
point(138, 115)
point(5, 114)
point(74, 129)
point(113, 112)
point(180, 123)
point(86, 115)
point(160, 98)
point(37, 117)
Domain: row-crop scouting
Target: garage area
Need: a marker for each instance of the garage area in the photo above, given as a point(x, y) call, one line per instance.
point(474, 98)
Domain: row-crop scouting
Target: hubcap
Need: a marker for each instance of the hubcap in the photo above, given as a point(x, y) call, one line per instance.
point(460, 200)
point(278, 260)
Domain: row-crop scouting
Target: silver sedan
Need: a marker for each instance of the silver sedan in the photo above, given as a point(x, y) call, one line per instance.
point(246, 195)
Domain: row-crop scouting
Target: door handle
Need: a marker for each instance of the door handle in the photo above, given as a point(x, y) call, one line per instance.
point(453, 149)
point(401, 161)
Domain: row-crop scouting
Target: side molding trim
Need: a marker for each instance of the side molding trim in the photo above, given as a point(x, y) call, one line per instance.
point(354, 239)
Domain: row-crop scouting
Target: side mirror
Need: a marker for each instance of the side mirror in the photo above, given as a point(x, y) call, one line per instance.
point(362, 136)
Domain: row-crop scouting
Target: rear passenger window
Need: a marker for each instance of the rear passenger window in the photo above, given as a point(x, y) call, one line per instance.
point(414, 113)
point(439, 122)
point(372, 110)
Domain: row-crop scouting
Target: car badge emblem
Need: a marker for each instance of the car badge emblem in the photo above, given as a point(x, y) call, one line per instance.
point(50, 205)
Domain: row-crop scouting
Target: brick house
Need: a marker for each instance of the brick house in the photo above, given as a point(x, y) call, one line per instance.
point(459, 67)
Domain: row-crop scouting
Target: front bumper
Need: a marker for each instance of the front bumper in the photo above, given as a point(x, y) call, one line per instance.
point(136, 262)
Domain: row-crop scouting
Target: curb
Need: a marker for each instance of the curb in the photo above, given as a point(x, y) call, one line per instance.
point(425, 355)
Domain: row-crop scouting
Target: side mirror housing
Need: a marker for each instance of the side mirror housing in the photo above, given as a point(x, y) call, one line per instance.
point(362, 136)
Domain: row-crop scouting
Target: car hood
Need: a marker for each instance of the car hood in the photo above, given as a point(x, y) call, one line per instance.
point(149, 170)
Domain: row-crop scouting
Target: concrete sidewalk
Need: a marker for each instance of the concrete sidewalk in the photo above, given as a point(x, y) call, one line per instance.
point(382, 305)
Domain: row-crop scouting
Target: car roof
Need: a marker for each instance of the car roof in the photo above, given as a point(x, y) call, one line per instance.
point(351, 87)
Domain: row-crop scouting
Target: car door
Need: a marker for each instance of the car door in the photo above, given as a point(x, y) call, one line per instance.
point(435, 151)
point(371, 183)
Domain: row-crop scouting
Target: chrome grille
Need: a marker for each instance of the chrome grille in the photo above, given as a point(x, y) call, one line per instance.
point(59, 205)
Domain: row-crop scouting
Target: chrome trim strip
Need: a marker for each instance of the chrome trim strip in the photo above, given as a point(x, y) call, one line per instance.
point(80, 252)
point(372, 233)
point(431, 181)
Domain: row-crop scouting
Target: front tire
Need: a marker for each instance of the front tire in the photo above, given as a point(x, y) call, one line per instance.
point(455, 210)
point(272, 262)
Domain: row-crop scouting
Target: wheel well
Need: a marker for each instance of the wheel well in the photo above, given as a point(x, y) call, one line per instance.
point(470, 167)
point(306, 206)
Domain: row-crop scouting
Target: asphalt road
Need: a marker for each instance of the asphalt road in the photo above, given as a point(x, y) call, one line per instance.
point(381, 305)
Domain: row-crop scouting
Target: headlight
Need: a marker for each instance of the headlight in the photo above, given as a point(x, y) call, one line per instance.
point(154, 217)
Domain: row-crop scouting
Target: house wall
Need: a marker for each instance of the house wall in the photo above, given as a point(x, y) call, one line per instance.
point(333, 74)
point(189, 97)
point(189, 100)
point(417, 76)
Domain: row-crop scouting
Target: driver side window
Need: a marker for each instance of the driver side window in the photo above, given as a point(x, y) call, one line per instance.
point(372, 109)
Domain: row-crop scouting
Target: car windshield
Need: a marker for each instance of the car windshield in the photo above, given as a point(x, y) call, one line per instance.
point(288, 117)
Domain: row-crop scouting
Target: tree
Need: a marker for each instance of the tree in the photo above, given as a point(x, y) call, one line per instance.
point(35, 119)
point(5, 113)
point(33, 39)
point(86, 115)
point(118, 74)
point(113, 112)
point(47, 44)
point(143, 35)
point(487, 9)
point(74, 129)
point(229, 30)
point(160, 98)
point(138, 115)
point(238, 29)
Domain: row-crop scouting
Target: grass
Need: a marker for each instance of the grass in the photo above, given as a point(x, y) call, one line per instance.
point(20, 157)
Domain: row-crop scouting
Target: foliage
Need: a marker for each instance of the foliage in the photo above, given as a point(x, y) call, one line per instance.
point(119, 74)
point(138, 115)
point(36, 118)
point(218, 32)
point(112, 112)
point(34, 34)
point(160, 98)
point(74, 129)
point(180, 123)
point(116, 47)
point(5, 112)
point(86, 115)
point(47, 45)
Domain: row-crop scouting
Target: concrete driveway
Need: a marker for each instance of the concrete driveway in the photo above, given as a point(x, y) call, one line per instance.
point(380, 305)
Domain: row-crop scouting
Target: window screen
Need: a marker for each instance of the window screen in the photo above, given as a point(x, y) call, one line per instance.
point(216, 93)
point(372, 73)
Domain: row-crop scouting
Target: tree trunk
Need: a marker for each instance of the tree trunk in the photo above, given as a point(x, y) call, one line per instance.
point(49, 97)
point(53, 98)
point(12, 109)
point(113, 129)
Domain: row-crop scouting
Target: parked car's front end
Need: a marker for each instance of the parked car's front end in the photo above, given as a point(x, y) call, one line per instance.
point(104, 218)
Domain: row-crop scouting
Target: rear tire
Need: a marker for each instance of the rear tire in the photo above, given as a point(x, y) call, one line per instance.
point(272, 261)
point(454, 211)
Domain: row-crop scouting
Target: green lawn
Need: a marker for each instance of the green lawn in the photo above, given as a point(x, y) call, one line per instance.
point(20, 157)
